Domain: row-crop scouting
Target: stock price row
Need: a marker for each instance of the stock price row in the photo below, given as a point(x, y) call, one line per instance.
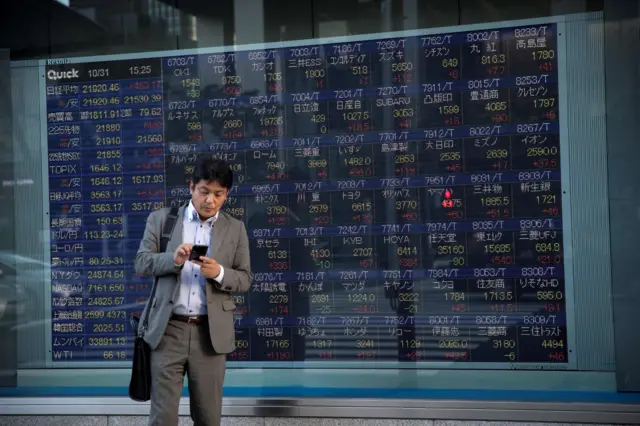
point(541, 344)
point(310, 114)
point(519, 252)
point(475, 161)
point(354, 212)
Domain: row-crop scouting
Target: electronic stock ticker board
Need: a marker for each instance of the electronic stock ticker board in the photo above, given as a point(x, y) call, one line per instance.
point(402, 195)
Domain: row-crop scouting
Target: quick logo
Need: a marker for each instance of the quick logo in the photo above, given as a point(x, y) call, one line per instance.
point(63, 75)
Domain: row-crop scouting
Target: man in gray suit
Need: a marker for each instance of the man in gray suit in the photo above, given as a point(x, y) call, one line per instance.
point(190, 327)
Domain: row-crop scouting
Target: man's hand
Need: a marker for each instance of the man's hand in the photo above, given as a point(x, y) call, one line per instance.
point(208, 267)
point(182, 253)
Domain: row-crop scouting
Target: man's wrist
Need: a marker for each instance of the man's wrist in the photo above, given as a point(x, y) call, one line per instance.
point(218, 278)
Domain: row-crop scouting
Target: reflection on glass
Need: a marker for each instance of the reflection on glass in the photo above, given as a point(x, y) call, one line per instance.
point(401, 194)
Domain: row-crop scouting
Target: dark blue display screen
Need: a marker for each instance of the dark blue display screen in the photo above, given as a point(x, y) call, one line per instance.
point(402, 195)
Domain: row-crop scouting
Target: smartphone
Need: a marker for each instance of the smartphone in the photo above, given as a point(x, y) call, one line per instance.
point(197, 251)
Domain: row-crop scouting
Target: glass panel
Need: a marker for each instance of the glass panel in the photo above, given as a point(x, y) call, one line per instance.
point(414, 178)
point(9, 286)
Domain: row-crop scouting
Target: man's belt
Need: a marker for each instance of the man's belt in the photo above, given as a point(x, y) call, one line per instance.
point(197, 320)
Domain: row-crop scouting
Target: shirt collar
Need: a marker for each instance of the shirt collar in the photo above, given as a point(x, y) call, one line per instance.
point(192, 215)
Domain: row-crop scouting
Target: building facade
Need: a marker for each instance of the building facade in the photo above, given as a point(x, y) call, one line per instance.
point(440, 199)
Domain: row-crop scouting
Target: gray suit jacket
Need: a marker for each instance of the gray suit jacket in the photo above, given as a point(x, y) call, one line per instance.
point(229, 247)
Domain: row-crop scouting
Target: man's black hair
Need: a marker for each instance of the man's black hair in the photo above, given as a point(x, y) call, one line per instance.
point(211, 169)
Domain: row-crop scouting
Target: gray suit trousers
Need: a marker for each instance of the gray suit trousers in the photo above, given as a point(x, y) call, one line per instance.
point(186, 349)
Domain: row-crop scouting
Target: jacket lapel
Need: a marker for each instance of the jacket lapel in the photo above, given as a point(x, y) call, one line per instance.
point(218, 233)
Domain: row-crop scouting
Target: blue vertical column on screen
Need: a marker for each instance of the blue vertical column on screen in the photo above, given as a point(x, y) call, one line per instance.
point(441, 158)
point(353, 115)
point(65, 209)
point(249, 105)
point(183, 94)
point(484, 104)
point(226, 115)
point(235, 113)
point(396, 206)
point(101, 115)
point(261, 332)
point(537, 198)
point(143, 169)
point(117, 113)
point(295, 82)
point(345, 110)
point(123, 183)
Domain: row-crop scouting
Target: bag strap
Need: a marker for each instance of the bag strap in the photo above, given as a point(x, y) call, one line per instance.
point(169, 225)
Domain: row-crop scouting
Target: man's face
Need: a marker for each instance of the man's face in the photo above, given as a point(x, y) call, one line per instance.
point(208, 197)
